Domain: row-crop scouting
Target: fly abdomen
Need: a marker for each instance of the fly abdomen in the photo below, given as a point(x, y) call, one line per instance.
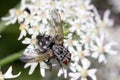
point(61, 53)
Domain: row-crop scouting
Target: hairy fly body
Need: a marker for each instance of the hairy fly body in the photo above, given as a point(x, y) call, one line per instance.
point(50, 47)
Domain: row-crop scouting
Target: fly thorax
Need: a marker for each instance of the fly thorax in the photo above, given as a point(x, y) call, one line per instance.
point(59, 39)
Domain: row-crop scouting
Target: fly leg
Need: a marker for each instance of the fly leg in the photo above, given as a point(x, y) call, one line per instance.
point(61, 65)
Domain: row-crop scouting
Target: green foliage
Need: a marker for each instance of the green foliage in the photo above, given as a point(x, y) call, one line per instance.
point(10, 47)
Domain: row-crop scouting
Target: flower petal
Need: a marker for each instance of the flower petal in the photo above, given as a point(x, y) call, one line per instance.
point(95, 55)
point(92, 72)
point(102, 58)
point(26, 41)
point(8, 74)
point(85, 63)
point(42, 71)
point(62, 71)
point(32, 67)
point(74, 75)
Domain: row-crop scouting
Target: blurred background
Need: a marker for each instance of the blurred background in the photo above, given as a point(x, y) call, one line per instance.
point(9, 43)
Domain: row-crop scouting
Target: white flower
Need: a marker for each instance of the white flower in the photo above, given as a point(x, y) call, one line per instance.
point(83, 32)
point(101, 48)
point(15, 14)
point(8, 74)
point(36, 30)
point(33, 65)
point(23, 28)
point(32, 42)
point(30, 55)
point(69, 43)
point(30, 19)
point(57, 4)
point(38, 4)
point(84, 5)
point(77, 26)
point(86, 39)
point(106, 21)
point(82, 72)
point(80, 54)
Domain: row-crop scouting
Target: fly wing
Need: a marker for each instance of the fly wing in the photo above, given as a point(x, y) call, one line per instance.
point(31, 55)
point(56, 23)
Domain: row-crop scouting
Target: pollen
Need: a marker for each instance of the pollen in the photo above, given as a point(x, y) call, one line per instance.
point(52, 3)
point(77, 25)
point(69, 42)
point(81, 54)
point(95, 31)
point(33, 41)
point(101, 50)
point(30, 16)
point(104, 25)
point(37, 3)
point(35, 28)
point(82, 6)
point(22, 27)
point(83, 73)
point(87, 39)
point(19, 12)
point(43, 14)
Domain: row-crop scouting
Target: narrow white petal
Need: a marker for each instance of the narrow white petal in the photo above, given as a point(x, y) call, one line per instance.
point(42, 71)
point(106, 15)
point(30, 46)
point(22, 33)
point(93, 77)
point(43, 65)
point(86, 53)
point(92, 72)
point(14, 20)
point(78, 67)
point(102, 58)
point(85, 63)
point(112, 52)
point(65, 73)
point(26, 41)
point(8, 74)
point(95, 55)
point(73, 66)
point(32, 67)
point(30, 31)
point(74, 75)
point(60, 72)
point(79, 47)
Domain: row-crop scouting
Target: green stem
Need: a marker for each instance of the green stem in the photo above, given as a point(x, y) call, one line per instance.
point(10, 58)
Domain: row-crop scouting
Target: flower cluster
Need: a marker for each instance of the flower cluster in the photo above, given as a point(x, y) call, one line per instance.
point(84, 31)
